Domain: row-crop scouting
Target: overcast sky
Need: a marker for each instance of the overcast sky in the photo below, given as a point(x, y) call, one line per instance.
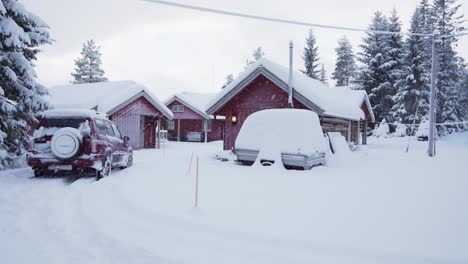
point(171, 50)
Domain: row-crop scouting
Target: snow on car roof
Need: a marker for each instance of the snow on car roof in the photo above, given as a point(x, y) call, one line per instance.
point(68, 112)
point(333, 102)
point(105, 97)
point(196, 101)
point(302, 134)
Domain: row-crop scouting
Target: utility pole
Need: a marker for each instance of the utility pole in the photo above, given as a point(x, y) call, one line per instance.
point(433, 105)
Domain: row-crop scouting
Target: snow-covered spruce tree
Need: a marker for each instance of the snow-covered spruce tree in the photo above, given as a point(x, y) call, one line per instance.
point(395, 50)
point(323, 75)
point(450, 73)
point(374, 75)
point(311, 57)
point(21, 97)
point(88, 66)
point(229, 79)
point(257, 54)
point(464, 97)
point(412, 98)
point(345, 67)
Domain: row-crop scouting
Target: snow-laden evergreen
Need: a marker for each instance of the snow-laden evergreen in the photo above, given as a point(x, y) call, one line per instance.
point(345, 66)
point(395, 50)
point(229, 79)
point(88, 66)
point(323, 75)
point(21, 96)
point(311, 57)
point(450, 65)
point(464, 96)
point(375, 74)
point(257, 54)
point(412, 99)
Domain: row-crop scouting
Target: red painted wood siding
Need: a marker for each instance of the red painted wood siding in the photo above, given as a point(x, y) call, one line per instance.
point(190, 121)
point(127, 119)
point(365, 109)
point(260, 94)
point(216, 132)
point(187, 114)
point(196, 125)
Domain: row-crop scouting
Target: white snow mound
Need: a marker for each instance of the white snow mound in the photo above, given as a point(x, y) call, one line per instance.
point(286, 130)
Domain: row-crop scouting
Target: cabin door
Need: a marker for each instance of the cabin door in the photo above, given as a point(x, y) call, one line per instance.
point(150, 131)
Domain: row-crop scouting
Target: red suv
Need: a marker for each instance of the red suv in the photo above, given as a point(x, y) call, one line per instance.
point(78, 141)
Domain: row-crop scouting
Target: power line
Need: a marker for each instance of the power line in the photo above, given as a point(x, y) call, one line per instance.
point(292, 22)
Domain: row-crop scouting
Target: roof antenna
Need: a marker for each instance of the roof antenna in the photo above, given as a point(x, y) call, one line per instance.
point(290, 90)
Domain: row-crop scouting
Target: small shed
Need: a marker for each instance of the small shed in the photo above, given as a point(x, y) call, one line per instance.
point(132, 107)
point(264, 85)
point(191, 122)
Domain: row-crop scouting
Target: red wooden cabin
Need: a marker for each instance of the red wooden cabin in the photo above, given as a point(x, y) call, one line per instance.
point(191, 122)
point(263, 85)
point(134, 109)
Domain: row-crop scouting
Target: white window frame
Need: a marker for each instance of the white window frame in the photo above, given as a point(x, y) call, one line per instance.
point(170, 125)
point(178, 108)
point(207, 125)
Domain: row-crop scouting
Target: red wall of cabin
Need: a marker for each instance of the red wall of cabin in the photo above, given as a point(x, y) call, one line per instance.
point(127, 119)
point(190, 121)
point(259, 95)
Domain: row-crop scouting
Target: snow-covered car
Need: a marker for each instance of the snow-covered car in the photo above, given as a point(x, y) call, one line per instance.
point(292, 134)
point(77, 141)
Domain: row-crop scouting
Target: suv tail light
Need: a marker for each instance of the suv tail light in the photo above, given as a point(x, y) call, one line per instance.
point(94, 147)
point(87, 145)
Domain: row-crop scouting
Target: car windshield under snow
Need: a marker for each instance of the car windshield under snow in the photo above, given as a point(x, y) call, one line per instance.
point(62, 122)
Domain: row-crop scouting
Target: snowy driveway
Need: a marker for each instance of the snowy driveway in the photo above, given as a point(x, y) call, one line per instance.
point(382, 206)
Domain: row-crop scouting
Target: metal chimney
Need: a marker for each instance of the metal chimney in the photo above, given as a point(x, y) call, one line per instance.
point(290, 86)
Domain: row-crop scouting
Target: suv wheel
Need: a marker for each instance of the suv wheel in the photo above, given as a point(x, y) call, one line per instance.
point(106, 169)
point(129, 161)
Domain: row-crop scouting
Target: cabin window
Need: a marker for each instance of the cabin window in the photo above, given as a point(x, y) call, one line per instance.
point(170, 124)
point(177, 108)
point(207, 125)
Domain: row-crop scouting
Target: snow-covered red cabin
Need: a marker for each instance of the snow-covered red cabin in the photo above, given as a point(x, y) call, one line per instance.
point(132, 107)
point(191, 122)
point(264, 85)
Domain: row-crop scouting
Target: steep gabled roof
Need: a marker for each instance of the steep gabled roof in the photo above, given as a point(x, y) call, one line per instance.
point(106, 97)
point(310, 92)
point(358, 98)
point(195, 101)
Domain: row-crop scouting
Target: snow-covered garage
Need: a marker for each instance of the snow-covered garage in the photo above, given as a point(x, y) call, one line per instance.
point(132, 107)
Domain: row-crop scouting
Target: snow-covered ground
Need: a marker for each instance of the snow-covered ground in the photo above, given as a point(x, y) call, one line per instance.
point(381, 205)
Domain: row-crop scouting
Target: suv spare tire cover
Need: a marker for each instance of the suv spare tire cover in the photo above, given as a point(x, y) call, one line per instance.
point(66, 143)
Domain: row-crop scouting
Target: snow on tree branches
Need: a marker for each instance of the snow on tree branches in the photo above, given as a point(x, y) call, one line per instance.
point(311, 57)
point(88, 66)
point(345, 67)
point(21, 96)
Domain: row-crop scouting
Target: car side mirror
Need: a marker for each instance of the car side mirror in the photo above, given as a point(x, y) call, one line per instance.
point(126, 139)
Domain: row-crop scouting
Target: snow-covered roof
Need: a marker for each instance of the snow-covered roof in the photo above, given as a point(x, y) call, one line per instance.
point(106, 97)
point(357, 98)
point(195, 101)
point(312, 93)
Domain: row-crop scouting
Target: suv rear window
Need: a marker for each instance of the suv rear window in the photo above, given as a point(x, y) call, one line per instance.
point(62, 122)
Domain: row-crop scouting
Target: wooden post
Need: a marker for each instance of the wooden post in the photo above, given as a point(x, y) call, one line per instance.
point(158, 134)
point(364, 132)
point(178, 129)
